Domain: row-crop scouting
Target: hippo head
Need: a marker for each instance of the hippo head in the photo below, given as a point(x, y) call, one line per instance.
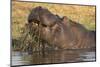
point(42, 16)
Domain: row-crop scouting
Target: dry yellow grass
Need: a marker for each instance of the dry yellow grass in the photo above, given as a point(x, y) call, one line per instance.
point(82, 14)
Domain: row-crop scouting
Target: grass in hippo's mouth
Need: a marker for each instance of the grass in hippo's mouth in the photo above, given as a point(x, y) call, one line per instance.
point(84, 15)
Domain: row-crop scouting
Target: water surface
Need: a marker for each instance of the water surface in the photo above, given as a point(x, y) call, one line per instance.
point(60, 56)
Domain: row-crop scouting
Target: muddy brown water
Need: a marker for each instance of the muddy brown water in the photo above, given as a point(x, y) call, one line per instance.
point(47, 57)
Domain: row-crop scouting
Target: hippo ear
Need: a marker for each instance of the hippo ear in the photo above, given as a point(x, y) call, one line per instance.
point(66, 21)
point(57, 16)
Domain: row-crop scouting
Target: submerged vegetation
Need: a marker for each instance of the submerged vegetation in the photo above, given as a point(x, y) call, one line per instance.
point(22, 36)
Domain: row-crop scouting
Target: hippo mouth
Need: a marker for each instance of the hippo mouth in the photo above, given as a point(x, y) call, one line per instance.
point(36, 21)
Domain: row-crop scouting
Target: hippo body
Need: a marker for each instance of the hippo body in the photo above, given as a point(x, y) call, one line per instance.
point(61, 32)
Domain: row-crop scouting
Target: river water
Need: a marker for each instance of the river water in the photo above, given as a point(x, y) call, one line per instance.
point(47, 57)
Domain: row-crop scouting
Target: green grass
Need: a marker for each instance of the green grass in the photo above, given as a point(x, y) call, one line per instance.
point(82, 14)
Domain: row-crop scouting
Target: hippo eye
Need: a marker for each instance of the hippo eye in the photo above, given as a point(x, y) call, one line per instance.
point(44, 25)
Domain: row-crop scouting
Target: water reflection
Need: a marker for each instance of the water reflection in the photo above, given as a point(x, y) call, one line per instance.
point(23, 58)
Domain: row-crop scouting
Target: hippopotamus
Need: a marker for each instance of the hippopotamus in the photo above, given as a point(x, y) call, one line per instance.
point(61, 32)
